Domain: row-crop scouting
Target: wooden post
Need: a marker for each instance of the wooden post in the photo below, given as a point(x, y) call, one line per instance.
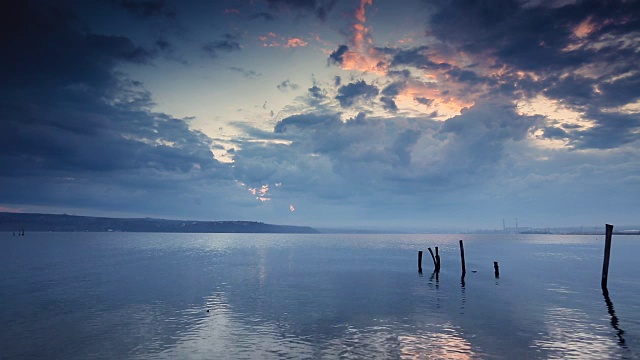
point(496, 269)
point(464, 268)
point(607, 254)
point(420, 262)
point(437, 260)
point(435, 264)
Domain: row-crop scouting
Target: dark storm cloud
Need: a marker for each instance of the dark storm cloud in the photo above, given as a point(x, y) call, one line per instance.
point(416, 57)
point(307, 121)
point(388, 104)
point(319, 8)
point(423, 101)
point(350, 93)
point(621, 91)
point(465, 76)
point(75, 129)
point(534, 37)
point(29, 38)
point(393, 89)
point(147, 8)
point(400, 74)
point(552, 132)
point(611, 130)
point(390, 157)
point(337, 57)
point(572, 89)
point(317, 93)
point(583, 54)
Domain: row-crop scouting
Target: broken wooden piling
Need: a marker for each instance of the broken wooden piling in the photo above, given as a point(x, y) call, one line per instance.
point(420, 262)
point(435, 264)
point(464, 268)
point(607, 255)
point(496, 269)
point(437, 261)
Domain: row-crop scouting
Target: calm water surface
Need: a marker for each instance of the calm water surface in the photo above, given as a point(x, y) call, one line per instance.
point(220, 296)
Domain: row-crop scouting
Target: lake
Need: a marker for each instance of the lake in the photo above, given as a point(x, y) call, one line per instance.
point(238, 296)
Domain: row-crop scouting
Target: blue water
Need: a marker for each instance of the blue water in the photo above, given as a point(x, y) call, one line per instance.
point(204, 296)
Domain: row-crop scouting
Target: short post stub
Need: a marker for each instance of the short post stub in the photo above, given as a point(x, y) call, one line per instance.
point(496, 269)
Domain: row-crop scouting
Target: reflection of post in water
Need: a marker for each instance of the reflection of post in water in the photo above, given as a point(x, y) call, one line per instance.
point(464, 296)
point(437, 276)
point(614, 318)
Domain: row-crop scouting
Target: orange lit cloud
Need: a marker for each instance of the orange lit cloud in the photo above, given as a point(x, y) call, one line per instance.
point(261, 193)
point(295, 42)
point(270, 40)
point(362, 56)
point(586, 27)
point(445, 105)
point(360, 11)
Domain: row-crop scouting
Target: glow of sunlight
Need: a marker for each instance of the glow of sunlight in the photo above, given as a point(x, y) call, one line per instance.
point(446, 107)
point(223, 155)
point(554, 112)
point(570, 334)
point(630, 108)
point(445, 345)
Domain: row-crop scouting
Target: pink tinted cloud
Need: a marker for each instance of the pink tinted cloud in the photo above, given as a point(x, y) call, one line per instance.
point(295, 42)
point(360, 11)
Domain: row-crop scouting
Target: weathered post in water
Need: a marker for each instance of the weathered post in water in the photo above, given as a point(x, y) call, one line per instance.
point(496, 269)
point(435, 264)
point(437, 260)
point(607, 254)
point(464, 268)
point(420, 262)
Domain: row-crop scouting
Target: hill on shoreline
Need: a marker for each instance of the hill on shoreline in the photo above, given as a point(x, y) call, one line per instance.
point(53, 222)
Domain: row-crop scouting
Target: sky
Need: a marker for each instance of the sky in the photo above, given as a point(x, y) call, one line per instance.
point(353, 113)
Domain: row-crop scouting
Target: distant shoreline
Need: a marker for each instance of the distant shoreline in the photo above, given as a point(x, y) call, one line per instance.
point(72, 223)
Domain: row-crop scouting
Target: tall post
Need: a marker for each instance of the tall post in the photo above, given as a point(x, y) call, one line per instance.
point(420, 262)
point(607, 255)
point(464, 268)
point(437, 261)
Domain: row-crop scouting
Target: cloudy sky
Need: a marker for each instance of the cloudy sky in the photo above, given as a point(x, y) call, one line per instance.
point(362, 113)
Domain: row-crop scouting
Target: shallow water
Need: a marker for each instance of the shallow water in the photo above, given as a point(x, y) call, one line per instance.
point(203, 296)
